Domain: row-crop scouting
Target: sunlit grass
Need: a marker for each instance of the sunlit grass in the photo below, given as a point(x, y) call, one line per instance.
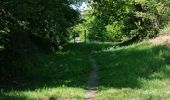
point(136, 72)
point(59, 93)
point(133, 94)
point(58, 76)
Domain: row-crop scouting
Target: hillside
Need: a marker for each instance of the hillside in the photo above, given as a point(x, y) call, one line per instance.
point(139, 71)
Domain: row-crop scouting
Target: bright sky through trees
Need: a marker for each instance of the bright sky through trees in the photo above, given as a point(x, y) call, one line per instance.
point(83, 6)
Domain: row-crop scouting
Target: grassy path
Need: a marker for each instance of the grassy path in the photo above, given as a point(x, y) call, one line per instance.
point(137, 72)
point(92, 83)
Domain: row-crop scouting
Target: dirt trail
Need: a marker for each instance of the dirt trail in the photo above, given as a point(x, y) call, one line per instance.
point(165, 39)
point(92, 83)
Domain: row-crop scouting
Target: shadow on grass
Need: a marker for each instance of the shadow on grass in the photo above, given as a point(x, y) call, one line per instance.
point(118, 68)
point(4, 97)
point(123, 68)
point(67, 68)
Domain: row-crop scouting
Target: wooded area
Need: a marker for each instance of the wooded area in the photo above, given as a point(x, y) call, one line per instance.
point(26, 25)
point(37, 32)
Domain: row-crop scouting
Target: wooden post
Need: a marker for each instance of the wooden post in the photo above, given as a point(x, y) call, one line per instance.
point(74, 37)
point(85, 36)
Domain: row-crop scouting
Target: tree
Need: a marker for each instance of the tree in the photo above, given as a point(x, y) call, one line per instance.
point(137, 18)
point(25, 23)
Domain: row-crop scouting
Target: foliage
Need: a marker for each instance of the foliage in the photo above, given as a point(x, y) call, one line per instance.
point(131, 18)
point(166, 29)
point(96, 30)
point(24, 23)
point(46, 19)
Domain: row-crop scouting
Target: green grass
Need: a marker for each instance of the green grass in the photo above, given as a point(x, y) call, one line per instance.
point(62, 75)
point(137, 72)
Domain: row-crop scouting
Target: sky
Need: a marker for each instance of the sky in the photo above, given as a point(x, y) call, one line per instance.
point(81, 8)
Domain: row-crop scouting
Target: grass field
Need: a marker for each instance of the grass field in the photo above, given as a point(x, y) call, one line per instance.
point(137, 72)
point(61, 76)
